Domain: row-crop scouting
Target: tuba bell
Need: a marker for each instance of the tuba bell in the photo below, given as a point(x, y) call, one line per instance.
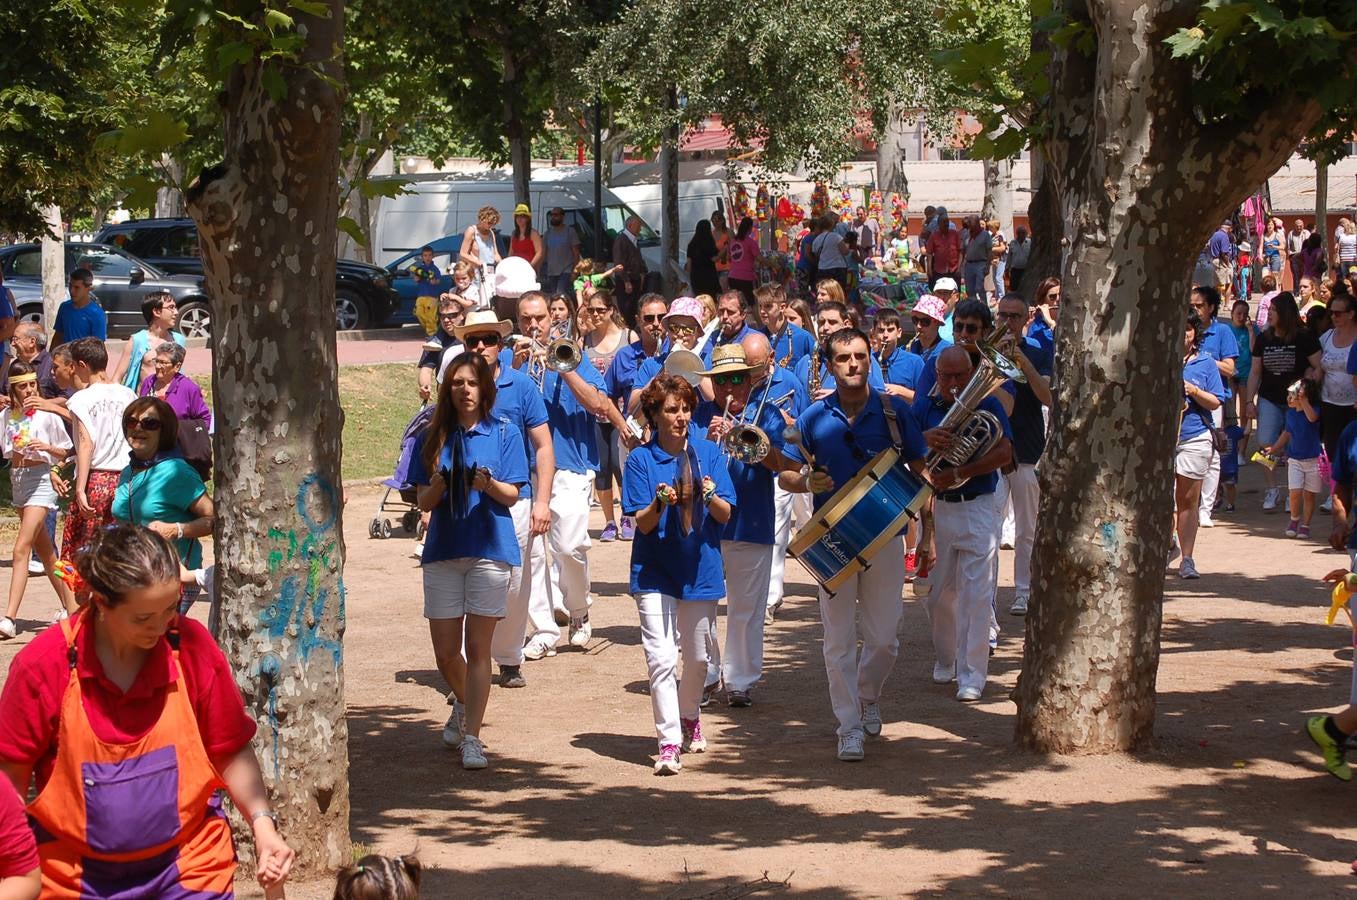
point(685, 364)
point(976, 431)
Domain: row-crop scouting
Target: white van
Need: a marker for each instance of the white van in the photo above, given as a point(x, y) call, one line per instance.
point(697, 199)
point(439, 205)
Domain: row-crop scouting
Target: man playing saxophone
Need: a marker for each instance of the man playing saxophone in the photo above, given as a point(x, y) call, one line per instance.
point(966, 516)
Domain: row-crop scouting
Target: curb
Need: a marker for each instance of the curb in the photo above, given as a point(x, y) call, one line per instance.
point(411, 332)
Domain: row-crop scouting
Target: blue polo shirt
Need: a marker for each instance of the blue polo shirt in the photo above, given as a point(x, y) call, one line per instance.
point(621, 375)
point(1344, 463)
point(666, 560)
point(718, 339)
point(573, 435)
point(649, 368)
point(790, 339)
point(518, 401)
point(843, 450)
point(928, 414)
point(903, 368)
point(487, 529)
point(75, 323)
point(1201, 371)
point(752, 520)
point(778, 385)
point(874, 379)
point(1304, 443)
point(1027, 421)
point(1219, 343)
point(928, 355)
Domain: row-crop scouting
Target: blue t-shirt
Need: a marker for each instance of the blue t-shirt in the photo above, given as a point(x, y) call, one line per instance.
point(74, 323)
point(1304, 443)
point(162, 493)
point(1229, 460)
point(1201, 371)
point(903, 367)
point(1042, 334)
point(486, 531)
point(1344, 467)
point(573, 435)
point(752, 519)
point(1220, 344)
point(945, 330)
point(844, 449)
point(1243, 338)
point(790, 339)
point(1220, 245)
point(874, 379)
point(928, 414)
point(686, 566)
point(518, 401)
point(428, 281)
point(718, 339)
point(1027, 420)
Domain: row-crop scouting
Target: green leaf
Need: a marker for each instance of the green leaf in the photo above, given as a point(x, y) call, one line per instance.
point(155, 134)
point(1186, 42)
point(274, 84)
point(235, 53)
point(311, 8)
point(275, 20)
point(387, 187)
point(353, 230)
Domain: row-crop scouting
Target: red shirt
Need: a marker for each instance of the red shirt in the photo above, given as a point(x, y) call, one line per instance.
point(18, 849)
point(30, 705)
point(945, 249)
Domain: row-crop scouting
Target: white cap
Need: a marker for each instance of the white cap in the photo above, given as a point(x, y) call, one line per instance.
point(945, 284)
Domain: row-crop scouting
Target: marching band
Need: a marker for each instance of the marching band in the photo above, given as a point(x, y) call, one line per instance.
point(869, 460)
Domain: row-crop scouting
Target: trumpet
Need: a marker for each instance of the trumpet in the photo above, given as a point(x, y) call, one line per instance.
point(975, 431)
point(560, 355)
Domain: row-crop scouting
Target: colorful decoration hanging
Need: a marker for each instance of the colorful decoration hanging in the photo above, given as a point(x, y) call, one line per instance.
point(874, 205)
point(761, 203)
point(740, 205)
point(846, 202)
point(899, 210)
point(819, 200)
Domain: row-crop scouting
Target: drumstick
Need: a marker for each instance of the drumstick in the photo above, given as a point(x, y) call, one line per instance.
point(792, 435)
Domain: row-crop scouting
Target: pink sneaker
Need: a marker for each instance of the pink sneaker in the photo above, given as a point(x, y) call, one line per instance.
point(693, 741)
point(668, 763)
point(1303, 531)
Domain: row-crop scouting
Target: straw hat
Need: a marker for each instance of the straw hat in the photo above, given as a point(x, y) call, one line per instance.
point(482, 320)
point(728, 358)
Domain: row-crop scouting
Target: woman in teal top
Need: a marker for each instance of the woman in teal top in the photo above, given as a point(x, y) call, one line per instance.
point(159, 489)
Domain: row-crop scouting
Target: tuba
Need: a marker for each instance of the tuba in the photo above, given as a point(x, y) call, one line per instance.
point(976, 430)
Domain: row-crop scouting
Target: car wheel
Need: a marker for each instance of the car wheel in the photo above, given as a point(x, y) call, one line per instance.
point(31, 312)
point(351, 311)
point(195, 319)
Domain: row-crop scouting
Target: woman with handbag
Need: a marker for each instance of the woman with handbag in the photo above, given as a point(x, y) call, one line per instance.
point(1203, 392)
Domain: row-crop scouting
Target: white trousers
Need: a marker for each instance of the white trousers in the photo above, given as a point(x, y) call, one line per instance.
point(876, 595)
point(670, 625)
point(960, 605)
point(565, 581)
point(1211, 483)
point(506, 648)
point(782, 535)
point(1024, 497)
point(747, 569)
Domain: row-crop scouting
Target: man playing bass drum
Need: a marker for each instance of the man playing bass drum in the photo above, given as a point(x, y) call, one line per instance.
point(843, 432)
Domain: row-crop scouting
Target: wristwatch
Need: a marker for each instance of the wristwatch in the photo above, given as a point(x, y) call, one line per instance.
point(262, 814)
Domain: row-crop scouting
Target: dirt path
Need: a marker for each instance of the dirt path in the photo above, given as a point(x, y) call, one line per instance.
point(1230, 801)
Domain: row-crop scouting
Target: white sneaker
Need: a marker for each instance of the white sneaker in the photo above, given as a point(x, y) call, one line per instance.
point(871, 718)
point(537, 648)
point(1327, 505)
point(418, 551)
point(580, 632)
point(943, 674)
point(1270, 499)
point(7, 627)
point(668, 763)
point(1205, 520)
point(968, 694)
point(473, 753)
point(35, 566)
point(851, 747)
point(60, 614)
point(994, 635)
point(1019, 607)
point(452, 731)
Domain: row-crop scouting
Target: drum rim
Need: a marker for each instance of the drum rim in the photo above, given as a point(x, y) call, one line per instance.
point(846, 497)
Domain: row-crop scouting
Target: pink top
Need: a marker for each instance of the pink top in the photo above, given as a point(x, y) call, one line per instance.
point(744, 254)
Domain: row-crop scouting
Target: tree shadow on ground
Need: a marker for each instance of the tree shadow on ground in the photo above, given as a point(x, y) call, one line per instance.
point(582, 881)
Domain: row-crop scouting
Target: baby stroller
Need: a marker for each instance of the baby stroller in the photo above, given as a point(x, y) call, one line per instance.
point(404, 504)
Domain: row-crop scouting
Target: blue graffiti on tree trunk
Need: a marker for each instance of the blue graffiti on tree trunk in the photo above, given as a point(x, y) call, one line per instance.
point(301, 603)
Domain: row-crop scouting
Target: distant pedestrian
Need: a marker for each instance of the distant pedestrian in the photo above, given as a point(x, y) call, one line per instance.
point(80, 316)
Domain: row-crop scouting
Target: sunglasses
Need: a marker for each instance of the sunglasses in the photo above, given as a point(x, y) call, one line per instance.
point(921, 321)
point(451, 315)
point(473, 341)
point(1006, 315)
point(655, 318)
point(733, 378)
point(967, 328)
point(859, 454)
point(598, 310)
point(146, 423)
point(681, 330)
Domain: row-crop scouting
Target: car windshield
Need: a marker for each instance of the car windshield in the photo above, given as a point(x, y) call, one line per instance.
point(106, 262)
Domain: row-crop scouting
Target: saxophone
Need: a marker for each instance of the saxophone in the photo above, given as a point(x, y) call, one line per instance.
point(813, 380)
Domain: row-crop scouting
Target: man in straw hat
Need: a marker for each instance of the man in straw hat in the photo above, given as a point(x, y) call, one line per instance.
point(517, 400)
point(748, 537)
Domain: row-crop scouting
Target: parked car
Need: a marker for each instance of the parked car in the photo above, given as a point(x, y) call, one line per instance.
point(363, 293)
point(121, 282)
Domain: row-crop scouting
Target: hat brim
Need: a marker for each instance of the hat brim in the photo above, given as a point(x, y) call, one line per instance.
point(503, 327)
point(732, 367)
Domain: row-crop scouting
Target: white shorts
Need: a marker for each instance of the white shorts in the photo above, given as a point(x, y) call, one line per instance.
point(32, 486)
point(1193, 458)
point(1303, 475)
point(466, 586)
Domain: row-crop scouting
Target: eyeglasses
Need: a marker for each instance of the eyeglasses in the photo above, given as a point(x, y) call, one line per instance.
point(146, 423)
point(655, 318)
point(473, 341)
point(733, 378)
point(681, 330)
point(966, 327)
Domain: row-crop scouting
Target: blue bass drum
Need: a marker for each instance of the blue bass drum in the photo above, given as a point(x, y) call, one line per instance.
point(842, 538)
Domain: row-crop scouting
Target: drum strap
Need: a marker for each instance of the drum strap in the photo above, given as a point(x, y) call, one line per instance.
point(892, 425)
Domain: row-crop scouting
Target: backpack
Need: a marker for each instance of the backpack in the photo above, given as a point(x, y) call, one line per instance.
point(195, 444)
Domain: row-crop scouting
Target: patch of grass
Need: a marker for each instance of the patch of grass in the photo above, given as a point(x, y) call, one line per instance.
point(378, 402)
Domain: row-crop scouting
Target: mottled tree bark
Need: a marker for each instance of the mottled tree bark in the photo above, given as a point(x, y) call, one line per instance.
point(1142, 182)
point(520, 145)
point(891, 151)
point(1046, 226)
point(266, 223)
point(669, 186)
point(53, 266)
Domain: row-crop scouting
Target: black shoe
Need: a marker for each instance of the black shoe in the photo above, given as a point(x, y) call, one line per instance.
point(511, 677)
point(708, 692)
point(739, 699)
